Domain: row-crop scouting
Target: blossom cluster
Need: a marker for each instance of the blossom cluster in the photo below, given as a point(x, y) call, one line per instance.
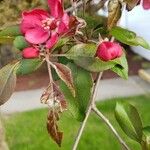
point(43, 28)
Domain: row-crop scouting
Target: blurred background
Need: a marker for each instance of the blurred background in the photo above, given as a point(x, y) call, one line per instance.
point(24, 117)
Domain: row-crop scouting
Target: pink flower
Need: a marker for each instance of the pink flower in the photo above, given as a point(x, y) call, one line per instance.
point(40, 26)
point(109, 50)
point(146, 4)
point(30, 52)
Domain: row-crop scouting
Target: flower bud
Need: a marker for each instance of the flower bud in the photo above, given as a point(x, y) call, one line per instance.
point(30, 52)
point(109, 50)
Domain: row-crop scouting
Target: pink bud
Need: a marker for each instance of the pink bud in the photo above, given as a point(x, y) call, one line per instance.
point(109, 50)
point(30, 52)
point(146, 4)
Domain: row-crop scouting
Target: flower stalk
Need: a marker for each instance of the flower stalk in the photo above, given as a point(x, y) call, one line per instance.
point(92, 107)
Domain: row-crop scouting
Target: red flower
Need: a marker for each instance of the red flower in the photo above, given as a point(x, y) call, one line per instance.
point(146, 4)
point(40, 26)
point(30, 52)
point(108, 51)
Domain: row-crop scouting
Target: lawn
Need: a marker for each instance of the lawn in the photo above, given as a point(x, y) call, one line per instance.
point(27, 130)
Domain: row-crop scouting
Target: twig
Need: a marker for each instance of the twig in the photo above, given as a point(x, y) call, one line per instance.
point(49, 69)
point(107, 122)
point(78, 5)
point(89, 109)
point(74, 6)
point(93, 108)
point(49, 72)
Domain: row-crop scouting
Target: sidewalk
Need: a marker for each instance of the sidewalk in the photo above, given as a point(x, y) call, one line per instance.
point(110, 88)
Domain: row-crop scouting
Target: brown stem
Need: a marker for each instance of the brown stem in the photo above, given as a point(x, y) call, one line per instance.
point(92, 107)
point(107, 122)
point(47, 57)
point(89, 109)
point(49, 69)
point(78, 5)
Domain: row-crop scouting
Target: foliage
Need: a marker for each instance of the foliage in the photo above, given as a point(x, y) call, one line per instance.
point(33, 127)
point(69, 45)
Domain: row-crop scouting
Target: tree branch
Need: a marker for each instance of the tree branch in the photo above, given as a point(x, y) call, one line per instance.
point(107, 122)
point(89, 109)
point(78, 5)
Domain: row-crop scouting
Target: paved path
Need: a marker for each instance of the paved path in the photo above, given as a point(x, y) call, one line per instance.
point(28, 100)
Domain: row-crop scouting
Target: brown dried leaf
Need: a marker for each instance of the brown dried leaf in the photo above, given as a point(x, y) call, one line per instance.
point(65, 74)
point(130, 4)
point(114, 13)
point(52, 127)
point(54, 94)
point(7, 82)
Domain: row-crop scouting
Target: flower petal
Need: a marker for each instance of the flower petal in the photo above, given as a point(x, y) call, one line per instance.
point(146, 4)
point(56, 8)
point(30, 52)
point(52, 41)
point(32, 19)
point(64, 24)
point(39, 13)
point(37, 35)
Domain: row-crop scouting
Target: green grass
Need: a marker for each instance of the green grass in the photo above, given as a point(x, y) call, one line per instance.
point(27, 130)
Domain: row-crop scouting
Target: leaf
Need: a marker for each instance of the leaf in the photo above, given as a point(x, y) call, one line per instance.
point(128, 37)
point(130, 4)
point(122, 68)
point(57, 104)
point(7, 82)
point(65, 75)
point(84, 56)
point(52, 126)
point(12, 31)
point(60, 43)
point(20, 43)
point(51, 93)
point(129, 120)
point(28, 66)
point(83, 85)
point(8, 34)
point(6, 39)
point(146, 138)
point(114, 13)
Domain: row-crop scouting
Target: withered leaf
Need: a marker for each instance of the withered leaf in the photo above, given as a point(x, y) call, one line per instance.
point(7, 81)
point(114, 13)
point(52, 127)
point(53, 93)
point(65, 75)
point(130, 4)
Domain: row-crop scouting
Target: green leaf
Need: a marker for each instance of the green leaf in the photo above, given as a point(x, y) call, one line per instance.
point(6, 40)
point(11, 31)
point(83, 86)
point(129, 120)
point(146, 138)
point(122, 68)
point(114, 13)
point(7, 81)
point(28, 66)
point(84, 56)
point(128, 37)
point(8, 34)
point(60, 43)
point(20, 43)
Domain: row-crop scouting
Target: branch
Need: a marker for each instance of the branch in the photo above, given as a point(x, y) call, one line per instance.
point(89, 109)
point(107, 122)
point(78, 5)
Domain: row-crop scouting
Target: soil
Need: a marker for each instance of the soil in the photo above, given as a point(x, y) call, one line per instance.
point(40, 78)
